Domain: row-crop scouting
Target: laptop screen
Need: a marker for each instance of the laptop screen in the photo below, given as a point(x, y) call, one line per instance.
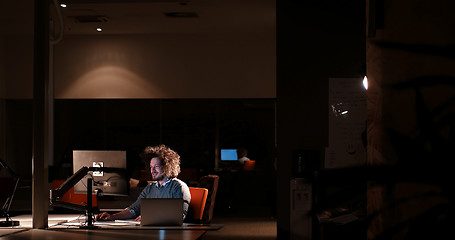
point(228, 154)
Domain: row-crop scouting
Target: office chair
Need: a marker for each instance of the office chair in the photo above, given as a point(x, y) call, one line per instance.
point(249, 165)
point(209, 182)
point(197, 203)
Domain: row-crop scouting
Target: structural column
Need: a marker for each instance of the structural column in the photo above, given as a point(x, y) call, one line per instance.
point(40, 194)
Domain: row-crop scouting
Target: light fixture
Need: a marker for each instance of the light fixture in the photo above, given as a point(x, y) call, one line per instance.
point(98, 29)
point(365, 82)
point(63, 5)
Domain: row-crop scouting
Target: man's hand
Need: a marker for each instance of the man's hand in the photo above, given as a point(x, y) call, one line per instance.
point(104, 217)
point(125, 214)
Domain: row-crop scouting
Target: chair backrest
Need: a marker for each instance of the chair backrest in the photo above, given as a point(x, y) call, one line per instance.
point(209, 182)
point(197, 203)
point(249, 165)
point(71, 197)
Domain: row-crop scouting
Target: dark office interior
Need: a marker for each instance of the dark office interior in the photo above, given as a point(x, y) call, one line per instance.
point(333, 160)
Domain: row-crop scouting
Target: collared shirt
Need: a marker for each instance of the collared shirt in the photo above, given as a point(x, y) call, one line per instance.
point(157, 184)
point(171, 188)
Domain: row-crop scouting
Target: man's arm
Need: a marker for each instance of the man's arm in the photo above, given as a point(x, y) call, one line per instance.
point(125, 214)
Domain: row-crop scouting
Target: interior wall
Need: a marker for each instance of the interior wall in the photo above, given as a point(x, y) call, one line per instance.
point(166, 66)
point(19, 132)
point(16, 49)
point(2, 67)
point(16, 81)
point(2, 98)
point(410, 118)
point(19, 66)
point(17, 96)
point(16, 73)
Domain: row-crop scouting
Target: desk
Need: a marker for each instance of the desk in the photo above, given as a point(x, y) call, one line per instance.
point(104, 234)
point(113, 225)
point(60, 228)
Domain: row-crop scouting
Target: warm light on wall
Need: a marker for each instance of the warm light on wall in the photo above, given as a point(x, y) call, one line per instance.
point(112, 65)
point(110, 81)
point(365, 82)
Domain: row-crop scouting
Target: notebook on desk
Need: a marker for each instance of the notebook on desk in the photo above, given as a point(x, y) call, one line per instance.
point(161, 212)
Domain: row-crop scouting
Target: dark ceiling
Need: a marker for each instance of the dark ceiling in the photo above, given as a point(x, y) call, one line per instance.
point(146, 16)
point(168, 16)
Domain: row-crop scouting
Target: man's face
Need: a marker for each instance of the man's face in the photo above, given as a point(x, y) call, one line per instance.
point(155, 169)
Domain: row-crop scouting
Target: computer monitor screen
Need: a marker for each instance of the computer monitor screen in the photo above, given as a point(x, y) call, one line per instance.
point(228, 154)
point(115, 183)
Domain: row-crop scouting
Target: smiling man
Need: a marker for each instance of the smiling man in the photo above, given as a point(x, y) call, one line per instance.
point(164, 166)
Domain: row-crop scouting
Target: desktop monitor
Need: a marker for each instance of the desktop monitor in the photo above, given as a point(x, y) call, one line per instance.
point(229, 155)
point(114, 183)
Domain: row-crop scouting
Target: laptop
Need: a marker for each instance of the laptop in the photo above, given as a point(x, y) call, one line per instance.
point(161, 211)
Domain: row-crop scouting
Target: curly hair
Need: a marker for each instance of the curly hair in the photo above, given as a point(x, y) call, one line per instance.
point(170, 160)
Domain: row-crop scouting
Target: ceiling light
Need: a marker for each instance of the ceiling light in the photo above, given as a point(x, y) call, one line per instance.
point(63, 5)
point(98, 29)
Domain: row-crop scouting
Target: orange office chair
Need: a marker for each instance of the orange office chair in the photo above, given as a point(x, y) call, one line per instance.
point(197, 203)
point(249, 165)
point(71, 197)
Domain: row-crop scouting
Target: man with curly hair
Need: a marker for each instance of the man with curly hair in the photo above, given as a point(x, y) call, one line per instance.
point(164, 166)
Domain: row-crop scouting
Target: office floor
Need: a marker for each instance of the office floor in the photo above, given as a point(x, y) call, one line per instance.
point(240, 228)
point(243, 220)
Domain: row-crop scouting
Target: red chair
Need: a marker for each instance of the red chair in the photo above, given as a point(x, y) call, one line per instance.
point(249, 165)
point(197, 203)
